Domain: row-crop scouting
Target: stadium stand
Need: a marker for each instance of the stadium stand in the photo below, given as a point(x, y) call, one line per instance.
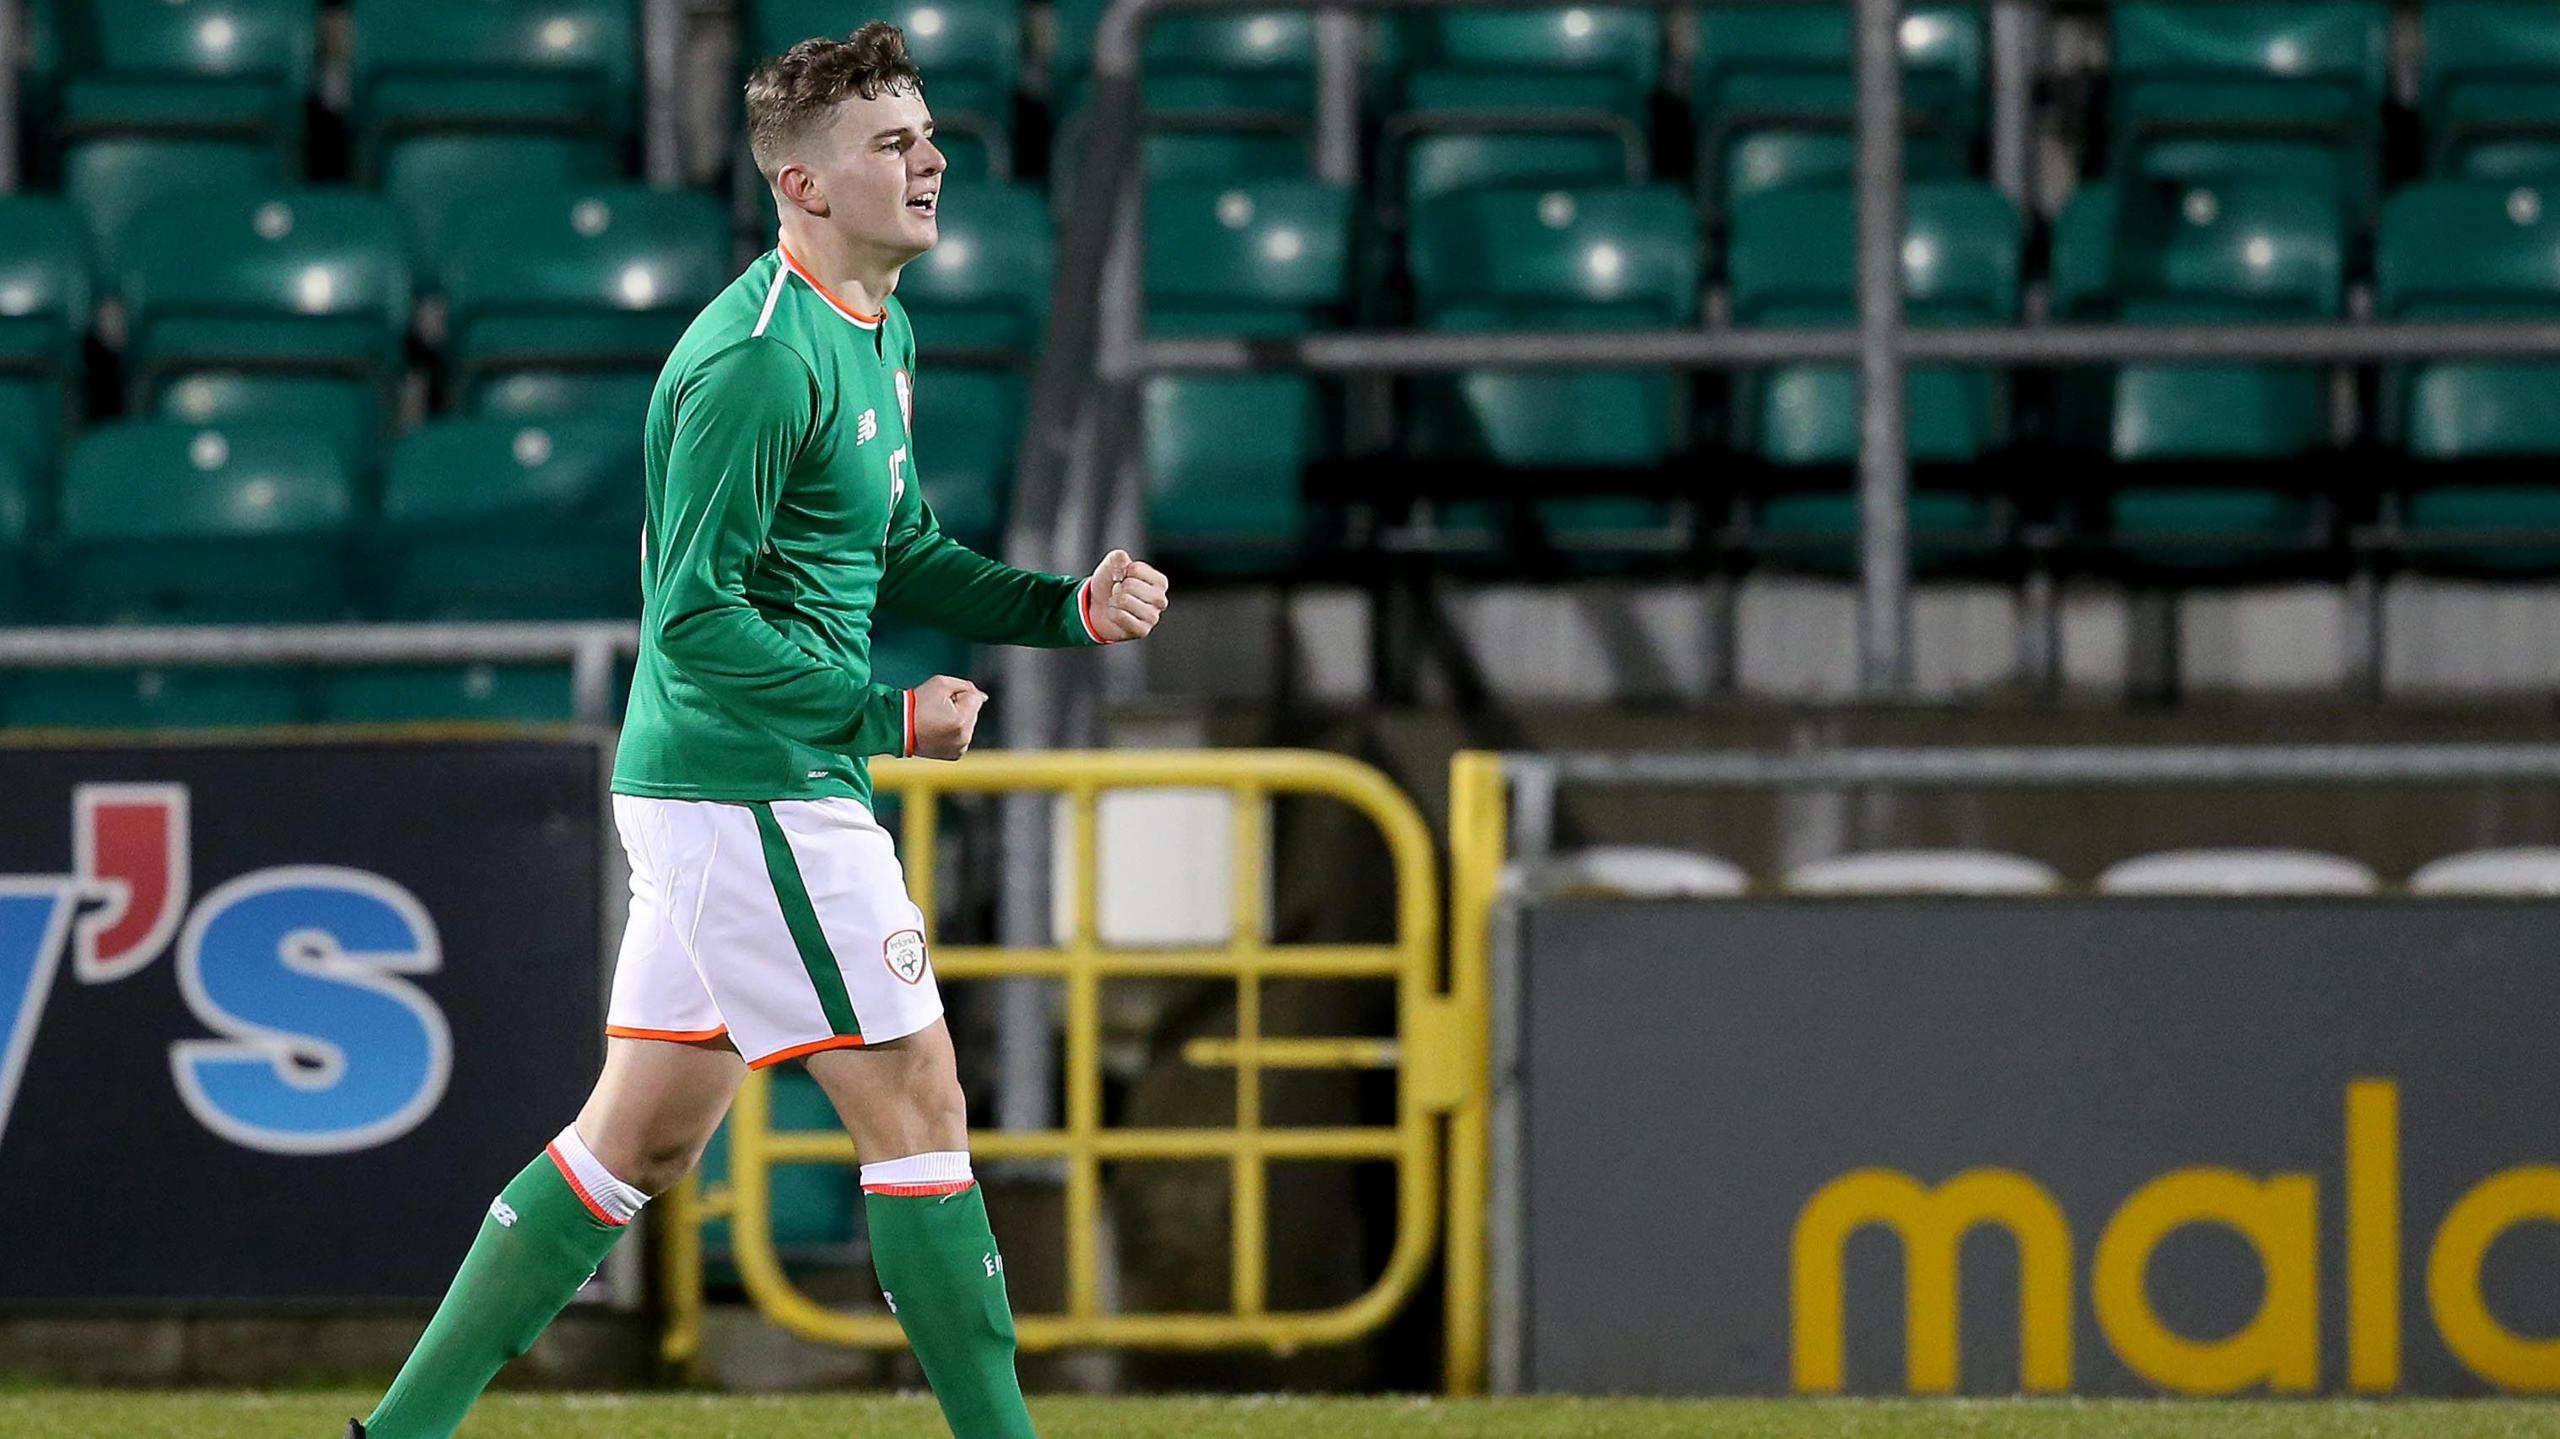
point(1266, 258)
point(2470, 250)
point(569, 301)
point(1793, 263)
point(1774, 105)
point(1557, 168)
point(44, 321)
point(2257, 250)
point(1596, 257)
point(2489, 91)
point(283, 306)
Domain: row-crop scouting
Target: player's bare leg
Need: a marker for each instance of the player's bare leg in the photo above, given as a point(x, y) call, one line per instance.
point(937, 1259)
point(642, 1129)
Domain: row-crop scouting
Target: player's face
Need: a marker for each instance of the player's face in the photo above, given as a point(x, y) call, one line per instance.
point(882, 175)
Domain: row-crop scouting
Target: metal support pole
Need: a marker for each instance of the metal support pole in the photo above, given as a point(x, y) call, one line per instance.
point(2017, 35)
point(1884, 470)
point(1337, 97)
point(661, 52)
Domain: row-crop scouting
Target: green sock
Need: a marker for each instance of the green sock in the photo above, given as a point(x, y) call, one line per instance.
point(940, 1267)
point(537, 1247)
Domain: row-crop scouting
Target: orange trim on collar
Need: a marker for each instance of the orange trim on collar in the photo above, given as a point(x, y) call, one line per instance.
point(848, 311)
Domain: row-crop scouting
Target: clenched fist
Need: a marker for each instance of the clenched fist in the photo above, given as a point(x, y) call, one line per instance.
point(1125, 598)
point(945, 716)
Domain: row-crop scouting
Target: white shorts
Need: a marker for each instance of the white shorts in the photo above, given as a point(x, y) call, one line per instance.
point(785, 926)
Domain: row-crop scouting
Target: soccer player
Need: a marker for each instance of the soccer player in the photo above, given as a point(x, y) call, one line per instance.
point(769, 918)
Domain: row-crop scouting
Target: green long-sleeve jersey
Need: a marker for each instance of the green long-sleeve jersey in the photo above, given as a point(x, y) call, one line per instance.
point(783, 511)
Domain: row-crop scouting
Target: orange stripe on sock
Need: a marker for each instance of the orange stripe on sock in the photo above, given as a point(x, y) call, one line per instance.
point(920, 1191)
point(580, 1190)
point(839, 1041)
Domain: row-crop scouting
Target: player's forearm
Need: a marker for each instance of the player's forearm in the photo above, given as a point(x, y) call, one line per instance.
point(745, 663)
point(954, 588)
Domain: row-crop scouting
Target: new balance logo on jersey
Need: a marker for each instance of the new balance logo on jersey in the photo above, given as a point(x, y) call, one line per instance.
point(505, 1213)
point(866, 427)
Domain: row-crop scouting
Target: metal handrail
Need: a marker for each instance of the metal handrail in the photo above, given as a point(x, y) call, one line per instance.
point(1435, 1053)
point(588, 648)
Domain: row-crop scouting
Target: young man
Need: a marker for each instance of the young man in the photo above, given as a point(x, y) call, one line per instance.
point(769, 918)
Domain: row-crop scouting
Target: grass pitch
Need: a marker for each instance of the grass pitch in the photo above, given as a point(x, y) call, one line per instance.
point(102, 1414)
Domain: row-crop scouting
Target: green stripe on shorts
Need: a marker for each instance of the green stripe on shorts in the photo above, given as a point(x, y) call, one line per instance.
point(802, 918)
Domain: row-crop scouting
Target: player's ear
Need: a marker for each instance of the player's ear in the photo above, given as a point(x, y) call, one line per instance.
point(797, 184)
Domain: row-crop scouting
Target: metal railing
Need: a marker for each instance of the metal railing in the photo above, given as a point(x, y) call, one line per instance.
point(588, 649)
point(1099, 349)
point(1436, 1052)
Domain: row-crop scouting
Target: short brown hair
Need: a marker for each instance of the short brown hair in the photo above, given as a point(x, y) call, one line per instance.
point(795, 91)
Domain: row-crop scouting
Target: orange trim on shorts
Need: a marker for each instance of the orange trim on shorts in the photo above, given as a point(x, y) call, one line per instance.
point(920, 1191)
point(580, 1190)
point(672, 1036)
point(833, 1041)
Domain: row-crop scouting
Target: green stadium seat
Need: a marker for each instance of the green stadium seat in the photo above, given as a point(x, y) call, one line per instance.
point(41, 63)
point(491, 519)
point(1793, 261)
point(2489, 89)
point(1775, 100)
point(547, 67)
point(1225, 454)
point(115, 180)
point(1250, 60)
point(969, 50)
point(1228, 96)
point(1460, 130)
point(438, 180)
point(1225, 460)
point(165, 522)
point(44, 316)
point(2218, 90)
point(213, 697)
point(2263, 253)
point(1593, 258)
point(985, 283)
point(286, 306)
point(2475, 250)
point(1624, 45)
point(1601, 257)
point(575, 298)
point(19, 583)
point(968, 423)
point(241, 68)
point(1279, 246)
point(474, 694)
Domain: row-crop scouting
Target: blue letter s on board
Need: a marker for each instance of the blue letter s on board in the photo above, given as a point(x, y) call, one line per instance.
point(320, 949)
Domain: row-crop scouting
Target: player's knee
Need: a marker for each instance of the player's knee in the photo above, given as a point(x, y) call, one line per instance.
point(658, 1165)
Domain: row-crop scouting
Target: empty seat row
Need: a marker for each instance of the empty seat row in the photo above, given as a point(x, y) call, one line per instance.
point(1636, 871)
point(133, 103)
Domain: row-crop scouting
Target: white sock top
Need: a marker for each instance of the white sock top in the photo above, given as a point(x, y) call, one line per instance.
point(606, 1197)
point(944, 1171)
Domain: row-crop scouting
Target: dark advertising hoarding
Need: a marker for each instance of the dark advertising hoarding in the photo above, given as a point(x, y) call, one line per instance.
point(277, 1020)
point(2070, 1146)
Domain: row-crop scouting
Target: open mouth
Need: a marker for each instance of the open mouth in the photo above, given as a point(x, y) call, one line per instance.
point(924, 204)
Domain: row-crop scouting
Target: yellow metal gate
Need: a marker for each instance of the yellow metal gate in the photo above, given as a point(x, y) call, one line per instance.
point(1437, 1052)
